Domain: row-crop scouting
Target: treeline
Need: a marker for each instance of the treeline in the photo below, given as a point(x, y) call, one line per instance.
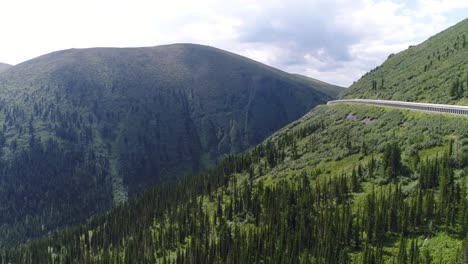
point(228, 215)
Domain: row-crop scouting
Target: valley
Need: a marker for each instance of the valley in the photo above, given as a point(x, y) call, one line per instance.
point(318, 180)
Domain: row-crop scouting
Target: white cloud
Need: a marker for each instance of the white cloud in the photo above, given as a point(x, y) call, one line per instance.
point(335, 40)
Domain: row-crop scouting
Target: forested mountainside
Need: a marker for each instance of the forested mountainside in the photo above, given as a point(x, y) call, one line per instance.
point(4, 66)
point(435, 71)
point(83, 129)
point(344, 184)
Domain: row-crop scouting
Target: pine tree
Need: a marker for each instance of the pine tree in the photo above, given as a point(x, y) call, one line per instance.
point(354, 181)
point(392, 161)
point(402, 251)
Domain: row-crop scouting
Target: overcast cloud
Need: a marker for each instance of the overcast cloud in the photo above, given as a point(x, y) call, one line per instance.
point(332, 40)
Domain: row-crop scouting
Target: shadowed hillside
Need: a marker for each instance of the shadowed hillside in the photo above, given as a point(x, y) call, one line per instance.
point(85, 128)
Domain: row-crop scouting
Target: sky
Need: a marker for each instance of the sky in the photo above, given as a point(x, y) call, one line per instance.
point(336, 41)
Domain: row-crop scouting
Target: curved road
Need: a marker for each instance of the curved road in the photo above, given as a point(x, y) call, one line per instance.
point(437, 108)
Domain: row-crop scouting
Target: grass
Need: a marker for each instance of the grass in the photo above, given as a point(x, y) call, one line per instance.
point(443, 246)
point(422, 73)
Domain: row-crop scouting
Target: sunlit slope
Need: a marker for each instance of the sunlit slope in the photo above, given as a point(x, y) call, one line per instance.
point(434, 71)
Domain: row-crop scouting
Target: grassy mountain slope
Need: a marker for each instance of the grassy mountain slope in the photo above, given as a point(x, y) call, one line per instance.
point(4, 66)
point(83, 129)
point(434, 71)
point(344, 184)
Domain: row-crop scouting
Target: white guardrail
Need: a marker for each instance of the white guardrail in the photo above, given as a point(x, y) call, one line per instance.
point(438, 108)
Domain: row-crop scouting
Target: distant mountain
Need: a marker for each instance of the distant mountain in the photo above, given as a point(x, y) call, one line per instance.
point(330, 89)
point(4, 66)
point(434, 71)
point(85, 128)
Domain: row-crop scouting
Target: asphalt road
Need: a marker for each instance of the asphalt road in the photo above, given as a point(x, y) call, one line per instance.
point(437, 108)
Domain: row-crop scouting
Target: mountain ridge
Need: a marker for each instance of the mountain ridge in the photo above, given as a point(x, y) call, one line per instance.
point(434, 71)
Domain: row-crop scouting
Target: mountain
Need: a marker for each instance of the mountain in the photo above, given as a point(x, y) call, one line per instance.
point(4, 66)
point(434, 71)
point(83, 129)
point(344, 184)
point(330, 89)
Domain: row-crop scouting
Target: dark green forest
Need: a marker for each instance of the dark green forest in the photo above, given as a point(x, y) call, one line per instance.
point(388, 203)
